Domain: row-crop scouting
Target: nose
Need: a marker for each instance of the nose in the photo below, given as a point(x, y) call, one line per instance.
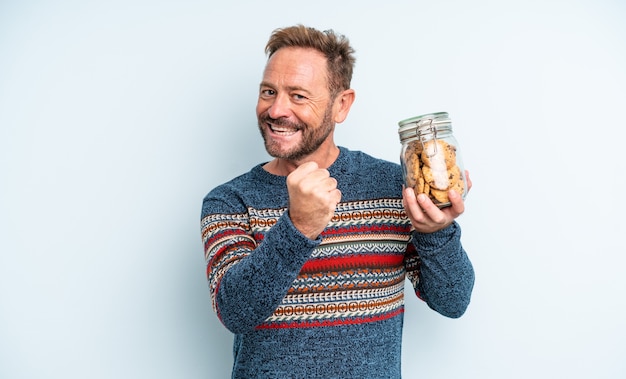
point(279, 107)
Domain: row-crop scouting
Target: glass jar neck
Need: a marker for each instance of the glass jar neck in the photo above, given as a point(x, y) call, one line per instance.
point(425, 127)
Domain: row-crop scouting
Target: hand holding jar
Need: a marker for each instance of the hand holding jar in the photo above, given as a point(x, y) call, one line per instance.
point(436, 182)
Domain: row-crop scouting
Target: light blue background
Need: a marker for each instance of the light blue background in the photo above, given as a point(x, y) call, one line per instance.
point(116, 117)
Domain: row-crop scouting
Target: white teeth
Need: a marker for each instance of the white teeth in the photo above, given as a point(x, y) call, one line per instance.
point(282, 130)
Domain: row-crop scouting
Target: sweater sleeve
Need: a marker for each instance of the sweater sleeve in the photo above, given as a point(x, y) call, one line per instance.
point(248, 280)
point(441, 271)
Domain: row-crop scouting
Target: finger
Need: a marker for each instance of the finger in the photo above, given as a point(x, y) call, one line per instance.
point(458, 206)
point(303, 170)
point(428, 207)
point(335, 196)
point(328, 184)
point(411, 206)
point(318, 175)
point(310, 178)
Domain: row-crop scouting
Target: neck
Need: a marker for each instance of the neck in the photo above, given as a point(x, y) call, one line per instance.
point(324, 157)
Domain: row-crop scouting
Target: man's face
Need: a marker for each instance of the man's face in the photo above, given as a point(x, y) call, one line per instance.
point(294, 108)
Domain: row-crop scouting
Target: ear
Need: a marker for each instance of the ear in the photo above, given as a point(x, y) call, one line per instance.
point(342, 105)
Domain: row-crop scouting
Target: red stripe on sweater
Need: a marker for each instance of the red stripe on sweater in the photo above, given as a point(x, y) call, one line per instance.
point(353, 261)
point(223, 234)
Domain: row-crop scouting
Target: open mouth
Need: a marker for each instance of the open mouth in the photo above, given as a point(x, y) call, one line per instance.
point(283, 130)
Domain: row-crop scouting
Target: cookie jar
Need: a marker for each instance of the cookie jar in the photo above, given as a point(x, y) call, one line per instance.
point(430, 157)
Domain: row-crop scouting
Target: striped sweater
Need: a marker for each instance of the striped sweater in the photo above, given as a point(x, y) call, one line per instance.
point(331, 307)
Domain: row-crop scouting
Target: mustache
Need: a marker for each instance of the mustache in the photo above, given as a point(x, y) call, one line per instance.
point(266, 119)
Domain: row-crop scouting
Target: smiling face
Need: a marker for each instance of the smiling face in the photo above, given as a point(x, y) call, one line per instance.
point(295, 111)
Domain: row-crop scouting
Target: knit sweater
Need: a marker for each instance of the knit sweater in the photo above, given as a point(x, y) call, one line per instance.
point(331, 307)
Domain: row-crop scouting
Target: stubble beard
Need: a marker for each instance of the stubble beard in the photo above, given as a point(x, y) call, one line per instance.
point(312, 138)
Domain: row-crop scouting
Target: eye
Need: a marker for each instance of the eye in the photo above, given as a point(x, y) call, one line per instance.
point(268, 92)
point(299, 97)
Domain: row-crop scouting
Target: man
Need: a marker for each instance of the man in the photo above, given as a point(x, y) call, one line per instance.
point(307, 254)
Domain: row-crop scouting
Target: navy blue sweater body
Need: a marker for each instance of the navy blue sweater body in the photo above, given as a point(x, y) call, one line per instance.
point(331, 307)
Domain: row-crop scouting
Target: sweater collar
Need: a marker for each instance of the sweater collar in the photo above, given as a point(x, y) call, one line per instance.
point(338, 166)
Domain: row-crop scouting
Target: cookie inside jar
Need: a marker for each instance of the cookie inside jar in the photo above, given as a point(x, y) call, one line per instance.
point(430, 158)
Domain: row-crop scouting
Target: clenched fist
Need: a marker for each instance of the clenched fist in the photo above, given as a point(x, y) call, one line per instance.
point(313, 197)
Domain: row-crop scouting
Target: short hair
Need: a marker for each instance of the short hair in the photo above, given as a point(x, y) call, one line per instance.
point(335, 47)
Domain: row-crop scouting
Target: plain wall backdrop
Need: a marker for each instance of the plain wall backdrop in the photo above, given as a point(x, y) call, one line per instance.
point(117, 117)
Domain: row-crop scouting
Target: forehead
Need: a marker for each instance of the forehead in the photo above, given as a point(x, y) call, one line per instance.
point(295, 66)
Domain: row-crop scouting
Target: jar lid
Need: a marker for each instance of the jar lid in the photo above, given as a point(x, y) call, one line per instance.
point(427, 123)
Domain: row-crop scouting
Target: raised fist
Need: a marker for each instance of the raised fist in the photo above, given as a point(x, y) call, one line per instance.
point(313, 198)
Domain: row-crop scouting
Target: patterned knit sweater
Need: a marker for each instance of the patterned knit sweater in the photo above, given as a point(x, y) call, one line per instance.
point(331, 307)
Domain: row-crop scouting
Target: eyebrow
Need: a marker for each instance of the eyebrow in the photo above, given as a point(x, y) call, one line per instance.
point(290, 88)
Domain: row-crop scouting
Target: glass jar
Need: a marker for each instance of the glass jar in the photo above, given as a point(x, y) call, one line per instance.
point(430, 158)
